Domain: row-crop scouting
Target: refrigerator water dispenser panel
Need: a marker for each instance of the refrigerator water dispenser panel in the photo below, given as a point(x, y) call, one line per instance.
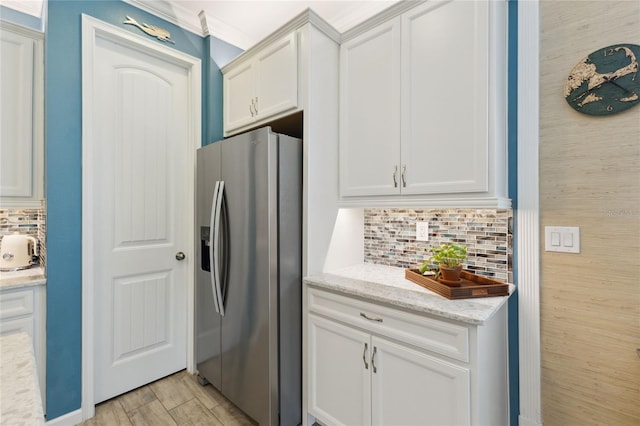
point(205, 263)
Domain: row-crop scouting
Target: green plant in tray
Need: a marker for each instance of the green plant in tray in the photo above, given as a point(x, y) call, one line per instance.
point(448, 255)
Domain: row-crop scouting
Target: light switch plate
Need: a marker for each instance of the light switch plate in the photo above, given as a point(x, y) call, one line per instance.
point(422, 231)
point(563, 239)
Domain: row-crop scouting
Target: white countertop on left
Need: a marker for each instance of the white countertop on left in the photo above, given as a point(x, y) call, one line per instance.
point(387, 284)
point(20, 402)
point(23, 278)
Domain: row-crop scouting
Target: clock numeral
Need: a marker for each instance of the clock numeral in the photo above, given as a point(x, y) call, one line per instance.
point(608, 52)
point(609, 108)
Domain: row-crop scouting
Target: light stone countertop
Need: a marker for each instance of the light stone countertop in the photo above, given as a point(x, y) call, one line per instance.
point(23, 278)
point(387, 284)
point(20, 402)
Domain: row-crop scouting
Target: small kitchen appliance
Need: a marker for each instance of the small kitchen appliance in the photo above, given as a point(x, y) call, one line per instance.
point(17, 252)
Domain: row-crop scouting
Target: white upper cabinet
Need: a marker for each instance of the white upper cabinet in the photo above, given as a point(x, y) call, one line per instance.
point(444, 94)
point(423, 107)
point(261, 86)
point(21, 126)
point(370, 112)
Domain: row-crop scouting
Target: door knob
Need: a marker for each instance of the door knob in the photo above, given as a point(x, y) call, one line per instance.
point(180, 255)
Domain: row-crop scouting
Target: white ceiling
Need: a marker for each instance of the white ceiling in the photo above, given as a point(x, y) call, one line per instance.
point(241, 22)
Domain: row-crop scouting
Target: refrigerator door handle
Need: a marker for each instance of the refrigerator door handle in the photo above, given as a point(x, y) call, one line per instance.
point(214, 253)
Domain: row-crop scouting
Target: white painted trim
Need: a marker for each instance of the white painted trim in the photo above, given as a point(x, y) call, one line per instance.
point(92, 28)
point(472, 201)
point(383, 16)
point(69, 419)
point(528, 213)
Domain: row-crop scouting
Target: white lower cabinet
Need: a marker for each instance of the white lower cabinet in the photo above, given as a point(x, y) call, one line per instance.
point(411, 387)
point(367, 380)
point(371, 364)
point(339, 358)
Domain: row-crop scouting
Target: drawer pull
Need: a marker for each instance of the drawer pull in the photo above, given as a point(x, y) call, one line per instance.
point(373, 359)
point(363, 315)
point(364, 356)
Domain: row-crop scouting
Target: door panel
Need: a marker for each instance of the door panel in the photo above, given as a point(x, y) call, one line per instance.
point(444, 98)
point(239, 92)
point(277, 77)
point(138, 175)
point(339, 373)
point(370, 112)
point(249, 326)
point(208, 324)
point(140, 308)
point(16, 103)
point(412, 388)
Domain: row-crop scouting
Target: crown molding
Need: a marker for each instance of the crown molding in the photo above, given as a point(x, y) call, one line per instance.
point(358, 13)
point(383, 16)
point(304, 17)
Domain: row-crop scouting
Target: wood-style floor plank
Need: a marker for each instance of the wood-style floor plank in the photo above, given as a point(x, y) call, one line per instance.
point(207, 395)
point(193, 413)
point(109, 413)
point(230, 415)
point(136, 398)
point(151, 414)
point(172, 390)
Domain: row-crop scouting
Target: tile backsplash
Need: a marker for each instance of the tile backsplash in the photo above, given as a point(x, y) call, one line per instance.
point(390, 237)
point(28, 221)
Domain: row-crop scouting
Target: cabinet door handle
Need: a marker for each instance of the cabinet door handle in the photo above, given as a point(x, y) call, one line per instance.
point(255, 105)
point(363, 315)
point(373, 359)
point(395, 173)
point(364, 356)
point(404, 176)
point(251, 109)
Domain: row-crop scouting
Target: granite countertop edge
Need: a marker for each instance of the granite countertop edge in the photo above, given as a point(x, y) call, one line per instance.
point(19, 389)
point(388, 285)
point(31, 278)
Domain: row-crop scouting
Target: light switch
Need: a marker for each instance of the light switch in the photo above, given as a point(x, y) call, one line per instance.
point(563, 239)
point(567, 239)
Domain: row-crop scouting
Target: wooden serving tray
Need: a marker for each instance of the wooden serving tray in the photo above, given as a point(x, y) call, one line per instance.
point(471, 285)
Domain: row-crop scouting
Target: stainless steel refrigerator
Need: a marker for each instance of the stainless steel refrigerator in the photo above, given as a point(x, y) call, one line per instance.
point(249, 272)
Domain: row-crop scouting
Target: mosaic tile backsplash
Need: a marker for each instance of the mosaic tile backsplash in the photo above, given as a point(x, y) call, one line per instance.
point(389, 237)
point(28, 222)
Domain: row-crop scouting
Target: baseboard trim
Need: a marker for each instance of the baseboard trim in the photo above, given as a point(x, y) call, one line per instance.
point(522, 421)
point(70, 419)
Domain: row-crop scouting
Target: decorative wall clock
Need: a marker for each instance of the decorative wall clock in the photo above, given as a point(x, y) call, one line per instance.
point(605, 82)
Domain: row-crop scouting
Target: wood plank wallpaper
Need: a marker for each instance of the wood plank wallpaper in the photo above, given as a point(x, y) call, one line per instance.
point(589, 177)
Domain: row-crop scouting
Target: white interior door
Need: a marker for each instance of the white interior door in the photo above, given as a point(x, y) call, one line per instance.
point(139, 179)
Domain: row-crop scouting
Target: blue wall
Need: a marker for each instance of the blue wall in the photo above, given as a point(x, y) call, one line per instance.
point(63, 133)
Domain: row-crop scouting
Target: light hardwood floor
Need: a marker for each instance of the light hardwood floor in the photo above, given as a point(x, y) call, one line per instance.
point(175, 400)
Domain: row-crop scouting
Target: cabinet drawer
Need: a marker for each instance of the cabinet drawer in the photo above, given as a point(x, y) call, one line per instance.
point(437, 336)
point(16, 303)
